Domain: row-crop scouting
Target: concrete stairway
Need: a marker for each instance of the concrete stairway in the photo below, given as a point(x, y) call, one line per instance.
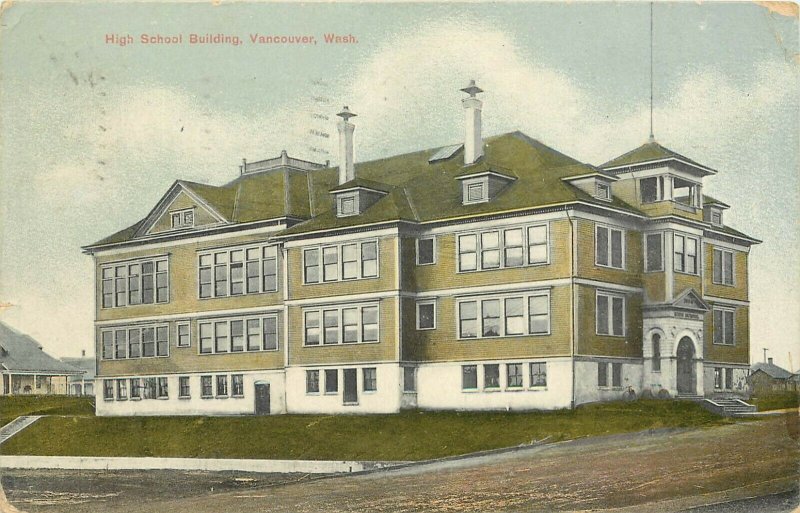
point(17, 425)
point(728, 406)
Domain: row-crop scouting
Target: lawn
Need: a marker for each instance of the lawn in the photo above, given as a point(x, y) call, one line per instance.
point(410, 435)
point(776, 401)
point(12, 407)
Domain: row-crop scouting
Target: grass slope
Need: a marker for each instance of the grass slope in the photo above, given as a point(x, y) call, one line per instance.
point(776, 401)
point(12, 407)
point(412, 435)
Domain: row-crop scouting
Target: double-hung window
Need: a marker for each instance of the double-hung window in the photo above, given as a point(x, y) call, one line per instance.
point(495, 249)
point(723, 267)
point(122, 389)
point(239, 335)
point(610, 314)
point(238, 271)
point(469, 377)
point(426, 315)
point(237, 385)
point(135, 283)
point(206, 386)
point(349, 261)
point(370, 379)
point(183, 335)
point(685, 254)
point(609, 247)
point(183, 386)
point(138, 342)
point(108, 389)
point(222, 385)
point(491, 376)
point(724, 326)
point(527, 314)
point(163, 388)
point(654, 252)
point(538, 371)
point(426, 251)
point(350, 324)
point(514, 375)
point(312, 381)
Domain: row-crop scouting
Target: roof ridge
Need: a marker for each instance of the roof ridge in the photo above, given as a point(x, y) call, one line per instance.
point(410, 203)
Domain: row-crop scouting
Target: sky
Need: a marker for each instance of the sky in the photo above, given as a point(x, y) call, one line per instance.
point(93, 133)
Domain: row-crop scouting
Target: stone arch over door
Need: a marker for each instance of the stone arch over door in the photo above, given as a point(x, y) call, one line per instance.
point(686, 379)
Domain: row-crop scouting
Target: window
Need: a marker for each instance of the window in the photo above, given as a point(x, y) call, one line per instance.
point(183, 386)
point(150, 388)
point(358, 260)
point(656, 352)
point(346, 325)
point(475, 192)
point(183, 335)
point(426, 315)
point(616, 374)
point(718, 378)
point(469, 377)
point(409, 379)
point(514, 375)
point(237, 271)
point(652, 189)
point(238, 335)
point(136, 388)
point(602, 191)
point(685, 192)
point(312, 382)
point(347, 205)
point(331, 381)
point(610, 314)
point(602, 374)
point(222, 385)
point(685, 254)
point(135, 283)
point(609, 247)
point(538, 372)
point(654, 253)
point(505, 317)
point(724, 326)
point(183, 218)
point(370, 381)
point(426, 251)
point(206, 386)
point(503, 249)
point(108, 389)
point(728, 379)
point(237, 385)
point(163, 388)
point(716, 217)
point(723, 267)
point(122, 389)
point(139, 342)
point(491, 376)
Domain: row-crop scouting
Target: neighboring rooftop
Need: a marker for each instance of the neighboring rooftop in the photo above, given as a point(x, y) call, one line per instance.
point(21, 353)
point(771, 370)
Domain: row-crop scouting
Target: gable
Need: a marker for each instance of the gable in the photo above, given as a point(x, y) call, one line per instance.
point(691, 300)
point(181, 203)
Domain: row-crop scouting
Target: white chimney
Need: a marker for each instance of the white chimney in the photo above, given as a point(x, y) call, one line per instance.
point(473, 144)
point(347, 170)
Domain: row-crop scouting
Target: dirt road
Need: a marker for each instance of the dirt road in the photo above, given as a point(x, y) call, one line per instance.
point(665, 471)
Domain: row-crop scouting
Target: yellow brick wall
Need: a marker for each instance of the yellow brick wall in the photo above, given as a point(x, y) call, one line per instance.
point(188, 359)
point(737, 353)
point(684, 281)
point(386, 280)
point(590, 343)
point(655, 286)
point(384, 350)
point(630, 275)
point(740, 276)
point(183, 281)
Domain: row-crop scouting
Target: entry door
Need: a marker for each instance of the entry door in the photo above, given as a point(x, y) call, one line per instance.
point(350, 386)
point(685, 366)
point(262, 398)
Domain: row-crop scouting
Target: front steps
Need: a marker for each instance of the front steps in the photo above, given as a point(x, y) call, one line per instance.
point(17, 425)
point(725, 406)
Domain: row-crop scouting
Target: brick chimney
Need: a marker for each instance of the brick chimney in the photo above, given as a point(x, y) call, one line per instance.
point(769, 361)
point(346, 163)
point(473, 143)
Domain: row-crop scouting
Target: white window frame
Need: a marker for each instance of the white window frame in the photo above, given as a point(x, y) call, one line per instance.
point(475, 184)
point(427, 302)
point(724, 311)
point(531, 384)
point(602, 191)
point(126, 329)
point(521, 367)
point(683, 260)
point(261, 261)
point(321, 265)
point(178, 334)
point(718, 214)
point(526, 297)
point(646, 245)
point(609, 248)
point(212, 322)
point(181, 395)
point(340, 203)
point(526, 244)
point(477, 378)
point(113, 281)
point(431, 238)
point(610, 327)
point(340, 326)
point(723, 268)
point(364, 388)
point(182, 216)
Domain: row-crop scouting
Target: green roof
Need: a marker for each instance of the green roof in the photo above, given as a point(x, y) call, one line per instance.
point(649, 152)
point(416, 190)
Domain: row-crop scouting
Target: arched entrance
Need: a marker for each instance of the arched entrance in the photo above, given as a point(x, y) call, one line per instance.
point(685, 354)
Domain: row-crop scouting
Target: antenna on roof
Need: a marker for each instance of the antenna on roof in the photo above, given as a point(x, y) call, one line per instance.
point(652, 137)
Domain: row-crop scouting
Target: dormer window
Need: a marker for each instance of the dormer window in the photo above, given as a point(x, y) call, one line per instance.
point(603, 191)
point(475, 192)
point(348, 205)
point(183, 218)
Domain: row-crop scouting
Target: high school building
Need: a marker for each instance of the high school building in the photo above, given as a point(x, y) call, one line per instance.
point(493, 274)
